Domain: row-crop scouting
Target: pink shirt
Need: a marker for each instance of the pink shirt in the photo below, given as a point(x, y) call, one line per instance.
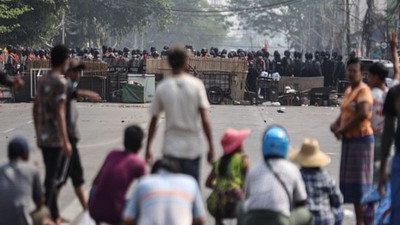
point(107, 200)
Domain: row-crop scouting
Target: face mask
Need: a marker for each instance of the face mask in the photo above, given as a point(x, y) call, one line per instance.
point(66, 67)
point(74, 84)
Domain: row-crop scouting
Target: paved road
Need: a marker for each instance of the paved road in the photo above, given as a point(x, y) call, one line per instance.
point(102, 127)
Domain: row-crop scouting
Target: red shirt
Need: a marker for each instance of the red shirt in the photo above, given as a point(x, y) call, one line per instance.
point(106, 203)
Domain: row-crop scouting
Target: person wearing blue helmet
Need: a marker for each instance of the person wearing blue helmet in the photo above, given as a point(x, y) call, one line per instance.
point(274, 189)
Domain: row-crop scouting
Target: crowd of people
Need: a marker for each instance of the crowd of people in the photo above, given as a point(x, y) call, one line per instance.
point(284, 188)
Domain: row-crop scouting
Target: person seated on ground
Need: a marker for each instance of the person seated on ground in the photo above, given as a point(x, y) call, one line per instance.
point(107, 197)
point(274, 189)
point(324, 197)
point(166, 197)
point(227, 177)
point(19, 185)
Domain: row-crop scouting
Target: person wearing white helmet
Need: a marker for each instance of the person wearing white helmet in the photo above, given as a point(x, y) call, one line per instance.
point(274, 189)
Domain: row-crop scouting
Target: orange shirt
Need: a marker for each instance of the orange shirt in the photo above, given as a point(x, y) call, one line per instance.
point(351, 98)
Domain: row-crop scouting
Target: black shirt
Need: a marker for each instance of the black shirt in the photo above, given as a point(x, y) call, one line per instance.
point(392, 108)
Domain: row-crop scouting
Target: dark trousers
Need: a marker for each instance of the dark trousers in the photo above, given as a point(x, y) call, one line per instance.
point(52, 163)
point(189, 167)
point(71, 167)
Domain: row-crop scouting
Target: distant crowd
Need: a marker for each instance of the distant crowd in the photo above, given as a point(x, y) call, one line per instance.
point(283, 188)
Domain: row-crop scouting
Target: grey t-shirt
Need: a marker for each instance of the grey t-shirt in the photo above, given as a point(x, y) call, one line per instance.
point(264, 192)
point(19, 185)
point(72, 114)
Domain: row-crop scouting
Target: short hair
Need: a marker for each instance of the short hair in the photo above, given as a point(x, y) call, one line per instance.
point(354, 60)
point(379, 70)
point(59, 54)
point(165, 164)
point(177, 56)
point(133, 138)
point(17, 148)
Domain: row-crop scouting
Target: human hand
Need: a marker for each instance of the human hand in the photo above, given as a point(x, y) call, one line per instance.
point(383, 177)
point(393, 41)
point(334, 127)
point(149, 157)
point(67, 148)
point(210, 156)
point(94, 97)
point(339, 133)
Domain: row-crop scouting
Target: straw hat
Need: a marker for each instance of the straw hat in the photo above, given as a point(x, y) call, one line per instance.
point(232, 139)
point(310, 155)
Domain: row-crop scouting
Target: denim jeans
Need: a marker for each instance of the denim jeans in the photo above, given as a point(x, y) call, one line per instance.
point(189, 167)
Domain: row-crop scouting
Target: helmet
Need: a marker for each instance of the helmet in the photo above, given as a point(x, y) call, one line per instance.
point(327, 55)
point(250, 55)
point(287, 53)
point(275, 142)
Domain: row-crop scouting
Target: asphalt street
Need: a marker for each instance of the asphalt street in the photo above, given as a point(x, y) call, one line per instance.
point(102, 126)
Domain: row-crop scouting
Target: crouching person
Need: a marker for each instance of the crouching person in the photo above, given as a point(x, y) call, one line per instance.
point(324, 197)
point(164, 198)
point(19, 185)
point(274, 189)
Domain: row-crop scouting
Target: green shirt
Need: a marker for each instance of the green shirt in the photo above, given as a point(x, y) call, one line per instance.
point(235, 173)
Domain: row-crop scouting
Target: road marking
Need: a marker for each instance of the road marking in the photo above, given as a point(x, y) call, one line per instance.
point(8, 131)
point(331, 153)
point(101, 144)
point(29, 122)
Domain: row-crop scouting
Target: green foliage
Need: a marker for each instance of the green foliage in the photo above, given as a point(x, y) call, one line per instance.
point(95, 20)
point(197, 29)
point(37, 26)
point(9, 13)
point(307, 25)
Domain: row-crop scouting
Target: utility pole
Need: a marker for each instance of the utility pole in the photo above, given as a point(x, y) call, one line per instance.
point(63, 28)
point(348, 38)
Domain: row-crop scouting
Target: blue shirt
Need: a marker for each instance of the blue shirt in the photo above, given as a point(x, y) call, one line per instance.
point(166, 198)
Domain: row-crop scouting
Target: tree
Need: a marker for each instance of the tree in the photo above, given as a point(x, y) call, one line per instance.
point(38, 25)
point(307, 25)
point(9, 13)
point(202, 30)
point(95, 20)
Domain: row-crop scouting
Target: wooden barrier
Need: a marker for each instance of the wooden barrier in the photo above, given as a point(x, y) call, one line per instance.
point(92, 68)
point(217, 65)
point(235, 69)
point(300, 83)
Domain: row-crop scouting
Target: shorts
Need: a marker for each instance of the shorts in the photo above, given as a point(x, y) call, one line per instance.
point(71, 167)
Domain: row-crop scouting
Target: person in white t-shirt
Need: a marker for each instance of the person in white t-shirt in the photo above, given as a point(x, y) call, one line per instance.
point(377, 81)
point(378, 74)
point(184, 100)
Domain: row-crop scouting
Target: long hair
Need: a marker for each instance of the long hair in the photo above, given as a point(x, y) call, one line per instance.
point(224, 162)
